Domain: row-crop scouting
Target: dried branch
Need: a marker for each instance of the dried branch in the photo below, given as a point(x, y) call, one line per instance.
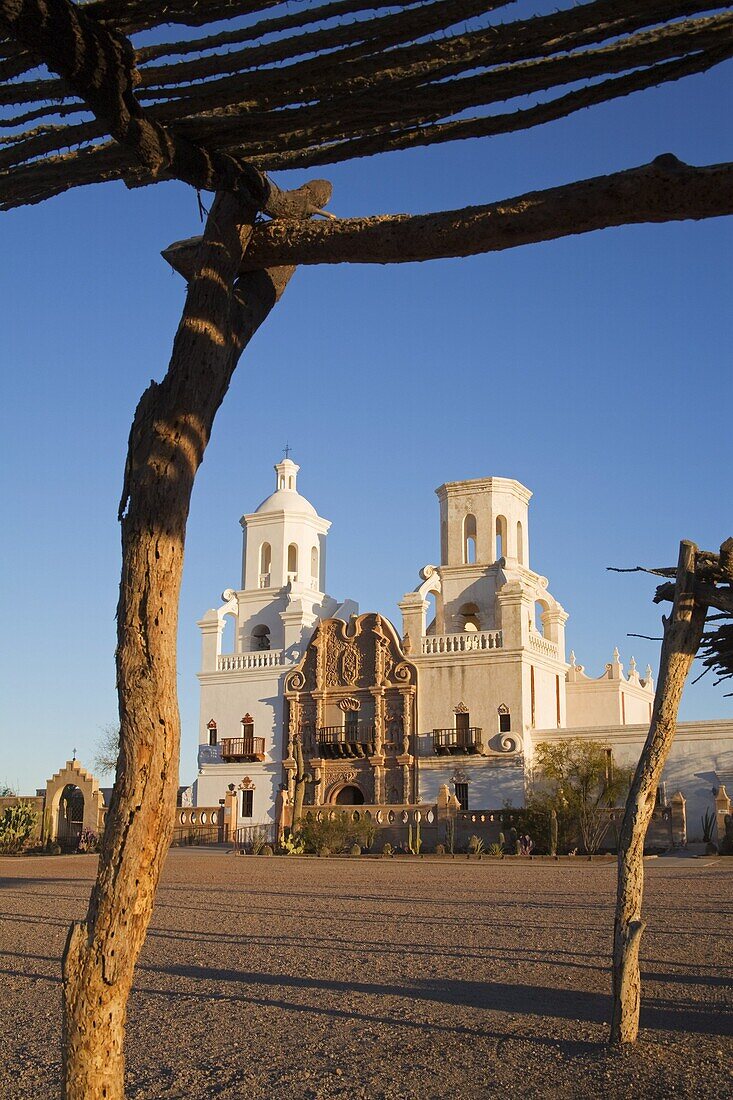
point(665, 190)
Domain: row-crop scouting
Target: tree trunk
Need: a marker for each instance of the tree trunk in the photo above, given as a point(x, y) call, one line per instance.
point(169, 434)
point(682, 636)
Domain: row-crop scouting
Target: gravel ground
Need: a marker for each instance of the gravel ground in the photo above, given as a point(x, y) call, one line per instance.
point(403, 978)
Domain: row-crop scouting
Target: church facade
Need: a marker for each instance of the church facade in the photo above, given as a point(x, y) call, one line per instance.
point(476, 676)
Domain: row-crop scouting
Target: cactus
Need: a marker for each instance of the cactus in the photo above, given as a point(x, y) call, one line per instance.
point(440, 849)
point(475, 845)
point(266, 850)
point(495, 850)
point(355, 850)
point(450, 834)
point(414, 842)
point(513, 836)
point(387, 849)
point(302, 779)
point(517, 847)
point(502, 839)
point(553, 833)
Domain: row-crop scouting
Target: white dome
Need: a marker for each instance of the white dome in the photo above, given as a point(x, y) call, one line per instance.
point(286, 500)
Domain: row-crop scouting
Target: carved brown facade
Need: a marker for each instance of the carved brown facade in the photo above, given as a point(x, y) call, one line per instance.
point(351, 701)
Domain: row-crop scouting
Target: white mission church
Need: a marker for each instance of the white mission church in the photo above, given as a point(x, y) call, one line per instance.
point(475, 678)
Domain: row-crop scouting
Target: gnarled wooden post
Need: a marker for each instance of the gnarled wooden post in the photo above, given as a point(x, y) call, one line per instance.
point(682, 636)
point(170, 432)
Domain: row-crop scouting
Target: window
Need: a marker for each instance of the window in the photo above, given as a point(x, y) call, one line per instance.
point(505, 719)
point(247, 801)
point(265, 558)
point(501, 548)
point(212, 732)
point(469, 540)
point(248, 726)
point(314, 563)
point(351, 723)
point(462, 794)
point(292, 562)
point(520, 543)
point(261, 637)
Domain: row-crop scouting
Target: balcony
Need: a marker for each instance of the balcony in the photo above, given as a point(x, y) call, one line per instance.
point(242, 748)
point(474, 641)
point(346, 741)
point(453, 742)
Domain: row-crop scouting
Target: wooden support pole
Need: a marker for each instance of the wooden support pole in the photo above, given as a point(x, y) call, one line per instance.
point(169, 434)
point(682, 636)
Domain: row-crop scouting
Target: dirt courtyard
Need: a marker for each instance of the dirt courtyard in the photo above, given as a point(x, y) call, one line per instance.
point(403, 978)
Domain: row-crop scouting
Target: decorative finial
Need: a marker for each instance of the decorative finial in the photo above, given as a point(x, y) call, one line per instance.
point(648, 673)
point(287, 449)
point(616, 654)
point(73, 755)
point(632, 665)
point(572, 658)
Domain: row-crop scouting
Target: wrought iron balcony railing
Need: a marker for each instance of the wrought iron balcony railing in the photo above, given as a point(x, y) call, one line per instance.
point(450, 742)
point(243, 748)
point(349, 740)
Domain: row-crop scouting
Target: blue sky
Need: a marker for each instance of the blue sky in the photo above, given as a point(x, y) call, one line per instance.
point(593, 369)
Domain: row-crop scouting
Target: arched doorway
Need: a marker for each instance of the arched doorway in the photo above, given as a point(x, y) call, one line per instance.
point(70, 816)
point(350, 796)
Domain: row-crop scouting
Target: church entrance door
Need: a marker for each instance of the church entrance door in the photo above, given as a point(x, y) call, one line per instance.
point(349, 796)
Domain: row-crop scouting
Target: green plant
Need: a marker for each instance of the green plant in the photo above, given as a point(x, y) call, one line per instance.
point(266, 850)
point(363, 832)
point(414, 840)
point(334, 833)
point(495, 850)
point(475, 845)
point(581, 782)
point(293, 844)
point(708, 826)
point(88, 841)
point(502, 840)
point(17, 825)
point(387, 849)
point(355, 850)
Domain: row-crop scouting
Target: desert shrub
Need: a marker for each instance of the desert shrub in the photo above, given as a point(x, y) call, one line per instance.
point(324, 851)
point(387, 849)
point(17, 825)
point(355, 850)
point(363, 832)
point(495, 850)
point(266, 850)
point(337, 833)
point(475, 845)
point(53, 849)
point(440, 849)
point(88, 841)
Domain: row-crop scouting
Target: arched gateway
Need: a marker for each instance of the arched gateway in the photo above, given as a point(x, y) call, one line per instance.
point(73, 802)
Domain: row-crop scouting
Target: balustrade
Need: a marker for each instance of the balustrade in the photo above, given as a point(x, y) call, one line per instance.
point(247, 662)
point(472, 641)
